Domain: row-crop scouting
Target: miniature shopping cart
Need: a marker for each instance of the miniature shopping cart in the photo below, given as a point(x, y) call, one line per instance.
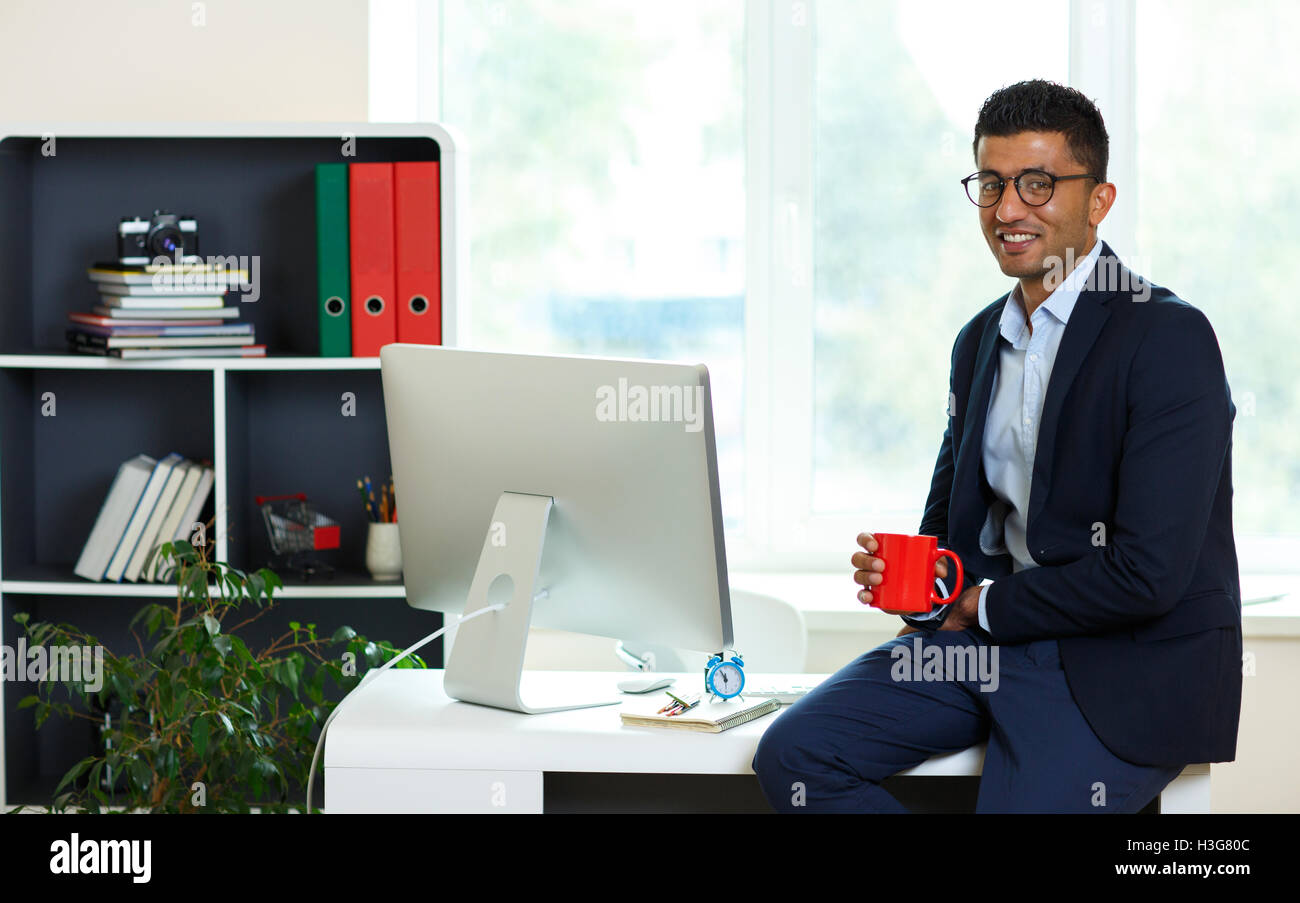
point(298, 532)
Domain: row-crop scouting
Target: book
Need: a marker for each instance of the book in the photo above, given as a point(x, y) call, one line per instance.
point(192, 472)
point(171, 329)
point(128, 354)
point(81, 319)
point(707, 717)
point(154, 313)
point(185, 266)
point(163, 302)
point(148, 538)
point(178, 279)
point(78, 338)
point(114, 289)
point(119, 504)
point(139, 517)
point(200, 497)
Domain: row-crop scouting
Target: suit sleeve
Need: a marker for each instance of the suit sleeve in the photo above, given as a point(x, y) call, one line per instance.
point(1178, 431)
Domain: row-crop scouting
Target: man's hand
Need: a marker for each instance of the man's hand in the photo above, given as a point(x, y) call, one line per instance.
point(965, 613)
point(869, 567)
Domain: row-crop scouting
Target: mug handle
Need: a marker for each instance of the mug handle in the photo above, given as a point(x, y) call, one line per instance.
point(936, 599)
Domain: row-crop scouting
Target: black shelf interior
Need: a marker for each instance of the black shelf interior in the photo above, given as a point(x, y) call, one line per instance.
point(251, 197)
point(304, 431)
point(35, 760)
point(63, 435)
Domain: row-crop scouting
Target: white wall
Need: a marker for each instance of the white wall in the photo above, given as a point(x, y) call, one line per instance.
point(160, 60)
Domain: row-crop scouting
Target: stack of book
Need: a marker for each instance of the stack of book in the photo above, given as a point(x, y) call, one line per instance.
point(150, 503)
point(158, 311)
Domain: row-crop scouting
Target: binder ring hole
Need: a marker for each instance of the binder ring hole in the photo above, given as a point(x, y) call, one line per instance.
point(374, 305)
point(418, 304)
point(334, 306)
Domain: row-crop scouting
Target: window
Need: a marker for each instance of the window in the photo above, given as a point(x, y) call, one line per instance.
point(899, 262)
point(771, 187)
point(607, 185)
point(1219, 208)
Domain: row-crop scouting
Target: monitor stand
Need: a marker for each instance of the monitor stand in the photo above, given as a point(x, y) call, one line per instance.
point(487, 659)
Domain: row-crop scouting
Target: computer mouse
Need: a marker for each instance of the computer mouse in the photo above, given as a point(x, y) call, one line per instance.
point(646, 684)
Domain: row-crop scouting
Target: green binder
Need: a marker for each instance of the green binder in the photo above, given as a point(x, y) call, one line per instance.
point(332, 272)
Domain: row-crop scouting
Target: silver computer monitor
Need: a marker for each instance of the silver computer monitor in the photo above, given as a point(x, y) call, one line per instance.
point(582, 491)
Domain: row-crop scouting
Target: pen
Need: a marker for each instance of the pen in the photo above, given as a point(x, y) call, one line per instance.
point(361, 490)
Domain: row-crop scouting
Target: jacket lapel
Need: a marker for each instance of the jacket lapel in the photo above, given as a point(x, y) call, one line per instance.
point(1086, 320)
point(969, 484)
point(986, 364)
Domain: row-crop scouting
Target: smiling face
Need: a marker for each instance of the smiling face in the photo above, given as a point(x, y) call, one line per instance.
point(1029, 242)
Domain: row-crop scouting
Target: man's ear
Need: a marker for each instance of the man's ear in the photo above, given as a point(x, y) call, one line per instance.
point(1099, 203)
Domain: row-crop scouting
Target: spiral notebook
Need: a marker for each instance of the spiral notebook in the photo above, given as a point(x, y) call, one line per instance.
point(709, 717)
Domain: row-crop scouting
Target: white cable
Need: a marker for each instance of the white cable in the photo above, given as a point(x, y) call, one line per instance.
point(371, 675)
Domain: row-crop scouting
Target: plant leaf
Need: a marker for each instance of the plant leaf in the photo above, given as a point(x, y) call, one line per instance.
point(199, 735)
point(141, 773)
point(75, 772)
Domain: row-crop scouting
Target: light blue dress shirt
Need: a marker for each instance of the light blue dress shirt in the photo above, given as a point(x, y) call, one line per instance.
point(1020, 382)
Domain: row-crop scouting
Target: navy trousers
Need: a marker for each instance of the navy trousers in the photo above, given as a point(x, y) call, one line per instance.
point(922, 694)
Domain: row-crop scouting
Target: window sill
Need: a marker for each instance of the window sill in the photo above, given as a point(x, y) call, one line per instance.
point(829, 602)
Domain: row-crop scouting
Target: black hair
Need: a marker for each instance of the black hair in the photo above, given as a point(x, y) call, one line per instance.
point(1043, 106)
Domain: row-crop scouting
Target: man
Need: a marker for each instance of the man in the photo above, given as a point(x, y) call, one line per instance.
point(1085, 471)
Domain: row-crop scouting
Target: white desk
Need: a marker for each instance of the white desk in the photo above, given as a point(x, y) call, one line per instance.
point(401, 745)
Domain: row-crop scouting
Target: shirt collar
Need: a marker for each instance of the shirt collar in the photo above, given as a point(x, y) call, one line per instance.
point(1060, 303)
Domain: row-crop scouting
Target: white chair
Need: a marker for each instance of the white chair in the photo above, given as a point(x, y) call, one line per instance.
point(769, 635)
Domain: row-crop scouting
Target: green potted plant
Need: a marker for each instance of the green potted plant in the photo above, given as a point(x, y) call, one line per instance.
point(199, 721)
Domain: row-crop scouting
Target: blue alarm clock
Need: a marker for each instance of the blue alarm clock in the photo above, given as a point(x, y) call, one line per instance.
point(724, 679)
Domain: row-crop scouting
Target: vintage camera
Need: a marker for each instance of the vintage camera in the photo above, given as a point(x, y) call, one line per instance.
point(164, 234)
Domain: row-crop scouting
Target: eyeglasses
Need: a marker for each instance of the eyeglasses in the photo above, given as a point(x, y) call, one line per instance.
point(1034, 186)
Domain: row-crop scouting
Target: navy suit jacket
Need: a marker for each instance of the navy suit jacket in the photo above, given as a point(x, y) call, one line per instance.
point(1130, 517)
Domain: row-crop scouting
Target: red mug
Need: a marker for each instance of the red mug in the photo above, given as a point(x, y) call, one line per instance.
point(907, 582)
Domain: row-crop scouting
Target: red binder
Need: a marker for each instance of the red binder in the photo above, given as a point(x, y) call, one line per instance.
point(370, 221)
point(419, 255)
